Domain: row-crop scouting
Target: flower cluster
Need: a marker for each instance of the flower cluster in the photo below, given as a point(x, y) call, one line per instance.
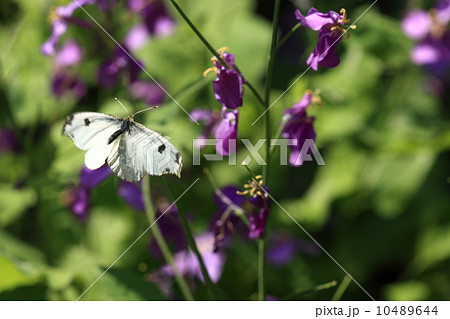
point(260, 206)
point(226, 222)
point(431, 31)
point(299, 126)
point(65, 80)
point(228, 90)
point(118, 65)
point(331, 28)
point(79, 198)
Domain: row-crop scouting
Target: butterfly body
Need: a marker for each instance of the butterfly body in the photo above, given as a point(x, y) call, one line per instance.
point(129, 148)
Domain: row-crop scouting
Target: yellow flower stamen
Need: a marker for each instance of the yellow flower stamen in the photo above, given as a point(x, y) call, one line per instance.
point(316, 99)
point(344, 20)
point(437, 28)
point(253, 187)
point(213, 69)
point(215, 60)
point(221, 51)
point(53, 15)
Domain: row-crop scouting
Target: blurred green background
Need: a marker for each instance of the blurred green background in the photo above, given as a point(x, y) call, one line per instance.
point(380, 205)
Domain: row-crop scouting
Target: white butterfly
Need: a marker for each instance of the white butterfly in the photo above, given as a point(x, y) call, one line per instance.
point(130, 149)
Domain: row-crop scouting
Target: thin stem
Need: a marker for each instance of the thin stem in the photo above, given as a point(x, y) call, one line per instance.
point(211, 49)
point(258, 97)
point(278, 134)
point(187, 229)
point(288, 35)
point(267, 131)
point(314, 289)
point(149, 211)
point(261, 258)
point(341, 288)
point(270, 64)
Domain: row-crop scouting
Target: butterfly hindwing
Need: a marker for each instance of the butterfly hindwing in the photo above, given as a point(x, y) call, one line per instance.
point(143, 151)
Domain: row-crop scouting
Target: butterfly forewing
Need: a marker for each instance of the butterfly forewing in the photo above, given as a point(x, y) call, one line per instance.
point(88, 129)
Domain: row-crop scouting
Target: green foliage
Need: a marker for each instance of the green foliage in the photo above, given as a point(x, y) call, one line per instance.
point(379, 206)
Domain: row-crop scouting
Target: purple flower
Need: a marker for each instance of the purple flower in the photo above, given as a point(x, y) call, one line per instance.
point(60, 17)
point(260, 206)
point(330, 26)
point(64, 83)
point(225, 222)
point(106, 4)
point(92, 178)
point(136, 37)
point(187, 263)
point(80, 202)
point(299, 127)
point(8, 141)
point(258, 223)
point(132, 195)
point(155, 16)
point(119, 64)
point(69, 55)
point(226, 132)
point(432, 32)
point(258, 218)
point(228, 87)
point(147, 92)
point(228, 194)
point(282, 248)
point(210, 119)
point(416, 24)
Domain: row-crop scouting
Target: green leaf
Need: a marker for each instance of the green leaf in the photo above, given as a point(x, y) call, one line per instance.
point(123, 284)
point(12, 277)
point(407, 291)
point(14, 202)
point(433, 247)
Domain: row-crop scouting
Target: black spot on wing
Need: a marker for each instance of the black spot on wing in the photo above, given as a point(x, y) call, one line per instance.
point(177, 158)
point(161, 148)
point(87, 122)
point(167, 170)
point(68, 122)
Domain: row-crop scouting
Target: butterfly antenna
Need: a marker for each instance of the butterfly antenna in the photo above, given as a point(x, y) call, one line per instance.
point(147, 109)
point(122, 105)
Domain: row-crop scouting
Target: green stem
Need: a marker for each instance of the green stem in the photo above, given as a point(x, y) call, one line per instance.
point(314, 289)
point(261, 257)
point(211, 49)
point(270, 64)
point(287, 36)
point(258, 97)
point(277, 135)
point(267, 131)
point(149, 211)
point(187, 229)
point(341, 288)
